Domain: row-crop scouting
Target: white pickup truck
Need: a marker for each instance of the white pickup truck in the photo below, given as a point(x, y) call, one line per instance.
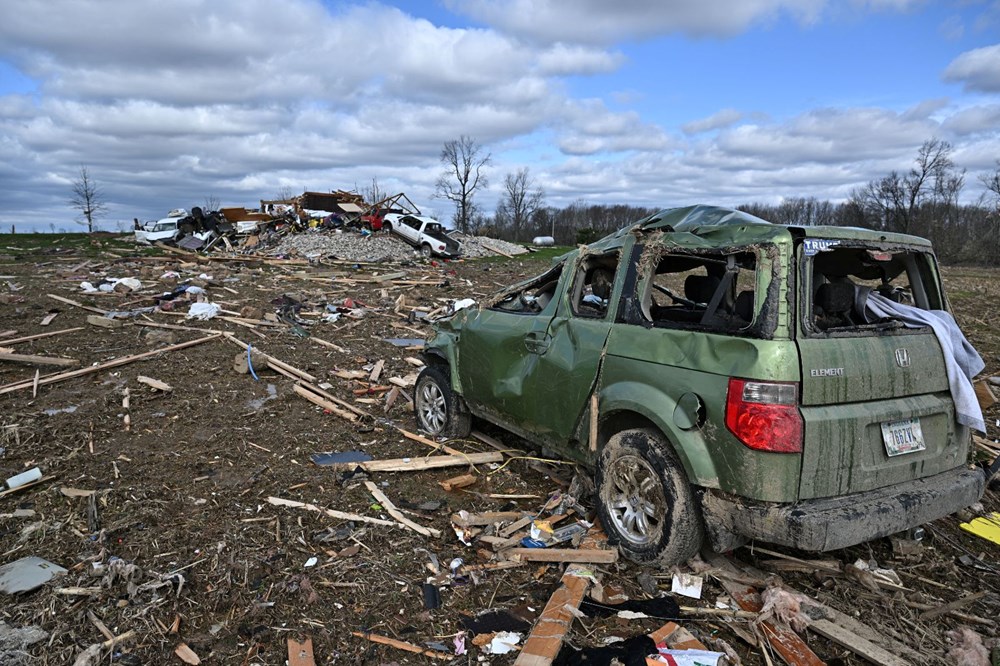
point(162, 231)
point(424, 233)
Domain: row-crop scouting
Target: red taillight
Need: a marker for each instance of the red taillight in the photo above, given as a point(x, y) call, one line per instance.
point(765, 415)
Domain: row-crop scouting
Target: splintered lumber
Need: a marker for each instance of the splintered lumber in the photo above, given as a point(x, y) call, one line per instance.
point(300, 654)
point(39, 336)
point(276, 364)
point(391, 509)
point(77, 305)
point(456, 482)
point(154, 383)
point(409, 647)
point(856, 644)
point(954, 605)
point(334, 399)
point(546, 638)
point(536, 465)
point(429, 442)
point(31, 359)
point(324, 403)
point(104, 322)
point(187, 655)
point(984, 394)
point(485, 518)
point(332, 513)
point(417, 464)
point(785, 642)
point(677, 637)
point(591, 555)
point(51, 379)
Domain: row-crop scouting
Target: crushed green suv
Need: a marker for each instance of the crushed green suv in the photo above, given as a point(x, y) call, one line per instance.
point(728, 379)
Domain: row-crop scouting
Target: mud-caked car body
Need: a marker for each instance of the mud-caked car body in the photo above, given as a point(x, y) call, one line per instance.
point(725, 381)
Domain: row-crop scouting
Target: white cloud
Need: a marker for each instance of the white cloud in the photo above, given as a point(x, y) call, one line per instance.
point(718, 120)
point(978, 69)
point(974, 120)
point(601, 22)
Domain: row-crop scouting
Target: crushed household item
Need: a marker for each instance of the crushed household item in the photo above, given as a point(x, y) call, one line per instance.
point(23, 478)
point(203, 311)
point(26, 574)
point(338, 457)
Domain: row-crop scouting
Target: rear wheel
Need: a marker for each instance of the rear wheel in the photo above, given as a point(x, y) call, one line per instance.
point(425, 250)
point(437, 406)
point(645, 500)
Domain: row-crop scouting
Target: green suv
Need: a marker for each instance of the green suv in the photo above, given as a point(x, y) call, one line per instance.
point(727, 379)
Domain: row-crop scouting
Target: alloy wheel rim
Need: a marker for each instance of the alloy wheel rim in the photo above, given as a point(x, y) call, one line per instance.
point(433, 408)
point(635, 499)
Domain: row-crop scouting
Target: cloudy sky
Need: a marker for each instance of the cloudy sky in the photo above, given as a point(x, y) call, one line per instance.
point(634, 101)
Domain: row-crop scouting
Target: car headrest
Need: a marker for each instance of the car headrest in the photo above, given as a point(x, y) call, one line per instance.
point(744, 306)
point(700, 288)
point(835, 297)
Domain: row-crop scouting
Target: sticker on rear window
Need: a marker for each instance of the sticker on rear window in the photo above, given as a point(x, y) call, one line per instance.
point(815, 245)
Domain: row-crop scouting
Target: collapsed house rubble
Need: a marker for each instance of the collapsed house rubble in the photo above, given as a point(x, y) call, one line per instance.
point(244, 483)
point(334, 225)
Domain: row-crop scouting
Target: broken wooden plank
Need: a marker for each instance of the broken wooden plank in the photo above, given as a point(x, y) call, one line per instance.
point(334, 399)
point(485, 518)
point(276, 364)
point(31, 359)
point(677, 637)
point(332, 513)
point(39, 336)
point(785, 642)
point(77, 305)
point(429, 442)
point(154, 383)
point(856, 644)
point(456, 482)
point(324, 403)
point(417, 464)
point(954, 605)
point(104, 322)
point(546, 638)
point(409, 647)
point(47, 319)
point(376, 371)
point(391, 509)
point(593, 556)
point(51, 379)
point(985, 394)
point(301, 654)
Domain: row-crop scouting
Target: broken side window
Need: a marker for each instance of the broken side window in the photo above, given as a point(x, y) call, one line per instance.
point(533, 297)
point(710, 291)
point(592, 285)
point(836, 279)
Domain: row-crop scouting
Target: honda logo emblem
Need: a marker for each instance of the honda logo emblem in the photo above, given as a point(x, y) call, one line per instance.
point(902, 358)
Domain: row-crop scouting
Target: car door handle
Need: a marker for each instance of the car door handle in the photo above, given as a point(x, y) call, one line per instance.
point(536, 343)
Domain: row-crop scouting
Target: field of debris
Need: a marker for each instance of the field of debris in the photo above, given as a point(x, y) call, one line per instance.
point(182, 492)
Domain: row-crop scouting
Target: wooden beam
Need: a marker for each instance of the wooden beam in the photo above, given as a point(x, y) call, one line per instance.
point(391, 509)
point(594, 556)
point(324, 403)
point(38, 360)
point(51, 379)
point(418, 464)
point(77, 305)
point(332, 513)
point(29, 338)
point(856, 644)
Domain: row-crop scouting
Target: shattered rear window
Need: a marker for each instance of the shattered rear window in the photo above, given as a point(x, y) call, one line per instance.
point(836, 276)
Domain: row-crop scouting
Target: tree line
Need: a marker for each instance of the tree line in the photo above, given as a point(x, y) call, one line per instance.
point(924, 201)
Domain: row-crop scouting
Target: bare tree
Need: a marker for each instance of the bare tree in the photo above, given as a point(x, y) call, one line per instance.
point(284, 193)
point(520, 201)
point(895, 199)
point(212, 203)
point(464, 164)
point(991, 180)
point(372, 194)
point(88, 198)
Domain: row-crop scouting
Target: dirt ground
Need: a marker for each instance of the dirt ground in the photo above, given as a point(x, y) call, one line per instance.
point(178, 543)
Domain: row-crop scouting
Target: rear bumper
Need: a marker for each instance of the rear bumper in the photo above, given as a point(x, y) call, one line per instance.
point(828, 524)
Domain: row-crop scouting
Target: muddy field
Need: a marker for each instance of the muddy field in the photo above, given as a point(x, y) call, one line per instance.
point(156, 501)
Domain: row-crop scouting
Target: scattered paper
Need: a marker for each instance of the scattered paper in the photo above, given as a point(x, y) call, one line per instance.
point(686, 585)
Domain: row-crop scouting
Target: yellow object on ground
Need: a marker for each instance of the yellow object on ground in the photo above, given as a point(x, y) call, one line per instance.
point(987, 527)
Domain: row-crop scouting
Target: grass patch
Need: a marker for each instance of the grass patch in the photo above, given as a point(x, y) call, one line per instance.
point(20, 245)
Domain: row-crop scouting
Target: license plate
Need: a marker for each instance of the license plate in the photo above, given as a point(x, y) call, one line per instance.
point(903, 437)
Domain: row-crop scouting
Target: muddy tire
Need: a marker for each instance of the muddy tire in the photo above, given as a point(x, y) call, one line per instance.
point(437, 408)
point(387, 227)
point(645, 501)
point(425, 250)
